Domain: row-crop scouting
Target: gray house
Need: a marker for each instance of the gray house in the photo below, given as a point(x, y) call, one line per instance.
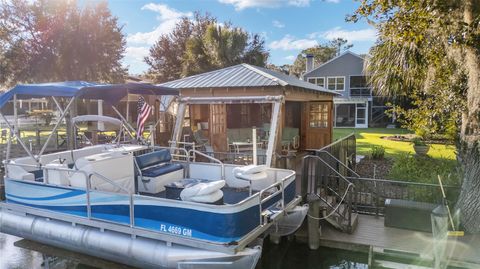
point(355, 107)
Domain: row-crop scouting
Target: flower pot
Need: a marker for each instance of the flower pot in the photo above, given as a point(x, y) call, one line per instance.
point(421, 150)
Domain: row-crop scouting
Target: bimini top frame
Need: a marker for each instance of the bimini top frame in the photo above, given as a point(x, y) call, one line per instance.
point(276, 102)
point(110, 93)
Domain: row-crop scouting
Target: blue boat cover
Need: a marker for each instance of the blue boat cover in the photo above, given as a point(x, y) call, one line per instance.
point(111, 93)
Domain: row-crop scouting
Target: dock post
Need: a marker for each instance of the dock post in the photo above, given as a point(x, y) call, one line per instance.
point(313, 221)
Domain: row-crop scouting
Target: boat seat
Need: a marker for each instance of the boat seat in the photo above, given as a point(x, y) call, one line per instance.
point(254, 174)
point(161, 169)
point(203, 192)
point(157, 170)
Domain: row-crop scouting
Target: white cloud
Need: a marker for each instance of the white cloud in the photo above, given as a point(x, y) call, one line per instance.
point(167, 17)
point(136, 53)
point(243, 4)
point(290, 57)
point(134, 59)
point(368, 34)
point(288, 42)
point(278, 24)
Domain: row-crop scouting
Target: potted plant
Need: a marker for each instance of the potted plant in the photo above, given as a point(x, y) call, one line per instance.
point(421, 148)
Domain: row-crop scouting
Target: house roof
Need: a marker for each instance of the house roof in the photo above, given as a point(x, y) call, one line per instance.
point(333, 59)
point(242, 75)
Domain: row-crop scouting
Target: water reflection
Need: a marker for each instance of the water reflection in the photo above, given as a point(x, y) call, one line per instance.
point(288, 254)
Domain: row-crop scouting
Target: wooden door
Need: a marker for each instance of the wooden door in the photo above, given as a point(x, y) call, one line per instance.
point(318, 124)
point(218, 127)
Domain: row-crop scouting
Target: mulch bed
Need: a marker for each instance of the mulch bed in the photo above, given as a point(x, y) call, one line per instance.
point(409, 137)
point(366, 168)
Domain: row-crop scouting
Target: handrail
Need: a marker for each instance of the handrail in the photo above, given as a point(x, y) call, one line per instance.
point(347, 214)
point(88, 177)
point(210, 158)
point(324, 162)
point(338, 161)
point(336, 142)
point(261, 200)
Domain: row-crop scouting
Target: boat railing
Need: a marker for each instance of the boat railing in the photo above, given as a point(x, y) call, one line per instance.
point(279, 189)
point(193, 152)
point(88, 188)
point(130, 194)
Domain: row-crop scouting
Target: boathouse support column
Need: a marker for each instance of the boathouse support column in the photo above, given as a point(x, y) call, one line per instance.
point(313, 222)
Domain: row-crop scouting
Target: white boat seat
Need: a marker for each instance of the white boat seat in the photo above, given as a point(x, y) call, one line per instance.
point(256, 176)
point(204, 192)
point(251, 172)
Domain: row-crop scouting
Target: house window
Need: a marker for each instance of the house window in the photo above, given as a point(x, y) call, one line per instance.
point(336, 83)
point(317, 81)
point(318, 115)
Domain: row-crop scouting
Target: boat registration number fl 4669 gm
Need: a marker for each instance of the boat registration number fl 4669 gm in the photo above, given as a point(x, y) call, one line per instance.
point(175, 230)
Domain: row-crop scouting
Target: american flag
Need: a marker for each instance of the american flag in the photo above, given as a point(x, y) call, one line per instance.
point(143, 110)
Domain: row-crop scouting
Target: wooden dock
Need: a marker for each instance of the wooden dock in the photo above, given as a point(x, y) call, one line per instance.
point(372, 236)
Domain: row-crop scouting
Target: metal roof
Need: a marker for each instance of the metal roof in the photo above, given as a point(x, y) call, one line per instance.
point(242, 75)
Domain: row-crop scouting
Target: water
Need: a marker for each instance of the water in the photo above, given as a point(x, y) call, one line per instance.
point(288, 254)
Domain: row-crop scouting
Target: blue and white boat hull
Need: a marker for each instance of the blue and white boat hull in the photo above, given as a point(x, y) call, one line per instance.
point(135, 251)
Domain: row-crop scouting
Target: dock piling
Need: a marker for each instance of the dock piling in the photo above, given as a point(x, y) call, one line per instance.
point(313, 222)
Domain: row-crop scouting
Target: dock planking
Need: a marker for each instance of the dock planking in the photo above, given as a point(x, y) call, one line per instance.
point(371, 232)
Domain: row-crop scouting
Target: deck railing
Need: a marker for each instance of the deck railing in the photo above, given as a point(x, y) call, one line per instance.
point(370, 194)
point(324, 175)
point(341, 154)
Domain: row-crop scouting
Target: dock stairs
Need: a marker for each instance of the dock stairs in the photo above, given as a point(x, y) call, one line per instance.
point(336, 214)
point(329, 192)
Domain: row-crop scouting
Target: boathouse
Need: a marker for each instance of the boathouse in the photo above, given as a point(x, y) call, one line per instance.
point(305, 117)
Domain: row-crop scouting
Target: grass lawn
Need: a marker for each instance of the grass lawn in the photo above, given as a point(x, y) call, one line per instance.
point(406, 166)
point(368, 137)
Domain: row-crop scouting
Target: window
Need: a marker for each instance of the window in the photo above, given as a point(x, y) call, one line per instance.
point(318, 115)
point(317, 81)
point(336, 83)
point(358, 82)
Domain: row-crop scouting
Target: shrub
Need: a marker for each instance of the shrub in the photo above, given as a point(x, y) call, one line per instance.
point(378, 152)
point(425, 170)
point(417, 141)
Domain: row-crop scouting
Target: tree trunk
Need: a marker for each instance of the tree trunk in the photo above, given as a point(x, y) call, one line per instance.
point(469, 200)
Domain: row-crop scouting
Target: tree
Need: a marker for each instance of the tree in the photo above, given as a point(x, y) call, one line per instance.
point(321, 54)
point(222, 46)
point(421, 43)
point(201, 45)
point(166, 55)
point(56, 40)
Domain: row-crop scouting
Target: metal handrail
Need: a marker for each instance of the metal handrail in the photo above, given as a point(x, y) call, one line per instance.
point(210, 158)
point(349, 188)
point(324, 162)
point(269, 197)
point(338, 161)
point(88, 188)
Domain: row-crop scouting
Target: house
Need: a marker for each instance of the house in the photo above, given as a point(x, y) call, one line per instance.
point(355, 106)
point(305, 114)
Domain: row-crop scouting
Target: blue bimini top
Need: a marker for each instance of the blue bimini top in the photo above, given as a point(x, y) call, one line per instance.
point(111, 93)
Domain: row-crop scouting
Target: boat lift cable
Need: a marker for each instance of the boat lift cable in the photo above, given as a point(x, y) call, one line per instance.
point(336, 208)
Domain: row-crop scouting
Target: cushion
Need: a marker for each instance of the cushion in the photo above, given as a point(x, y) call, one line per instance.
point(161, 169)
point(153, 158)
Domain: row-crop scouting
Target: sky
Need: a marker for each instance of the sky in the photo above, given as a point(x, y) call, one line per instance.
point(288, 26)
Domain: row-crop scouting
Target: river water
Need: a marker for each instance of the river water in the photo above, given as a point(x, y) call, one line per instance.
point(288, 254)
